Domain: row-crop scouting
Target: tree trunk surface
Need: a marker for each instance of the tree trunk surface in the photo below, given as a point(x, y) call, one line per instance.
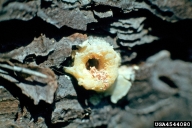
point(39, 36)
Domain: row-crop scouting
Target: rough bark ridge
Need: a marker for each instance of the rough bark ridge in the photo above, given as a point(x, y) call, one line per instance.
point(38, 37)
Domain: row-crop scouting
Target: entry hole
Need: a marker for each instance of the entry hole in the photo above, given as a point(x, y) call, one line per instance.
point(92, 63)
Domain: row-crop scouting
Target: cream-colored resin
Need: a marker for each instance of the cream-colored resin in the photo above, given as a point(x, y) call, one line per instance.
point(123, 83)
point(100, 75)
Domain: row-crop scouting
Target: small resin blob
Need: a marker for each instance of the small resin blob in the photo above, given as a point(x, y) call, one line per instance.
point(95, 65)
point(123, 82)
